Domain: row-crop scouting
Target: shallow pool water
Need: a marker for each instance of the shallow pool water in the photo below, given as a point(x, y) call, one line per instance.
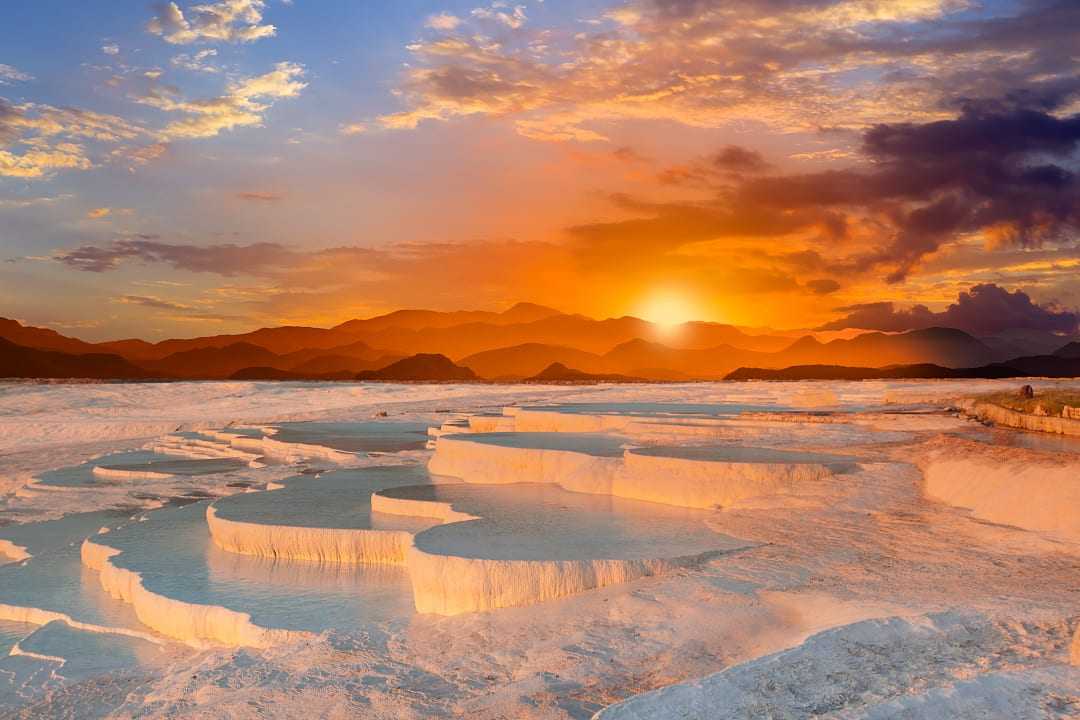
point(602, 445)
point(540, 521)
point(11, 633)
point(173, 552)
point(333, 499)
point(137, 460)
point(387, 437)
point(55, 579)
point(740, 454)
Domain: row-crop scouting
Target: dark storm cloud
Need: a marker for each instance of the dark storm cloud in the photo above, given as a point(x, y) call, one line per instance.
point(227, 260)
point(983, 310)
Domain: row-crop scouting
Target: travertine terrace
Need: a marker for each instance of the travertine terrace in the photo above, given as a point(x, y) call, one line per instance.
point(657, 548)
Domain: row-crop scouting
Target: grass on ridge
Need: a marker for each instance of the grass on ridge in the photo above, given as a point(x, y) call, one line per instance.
point(1051, 401)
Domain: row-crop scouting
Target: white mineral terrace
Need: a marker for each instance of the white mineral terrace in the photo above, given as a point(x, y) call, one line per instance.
point(733, 550)
point(699, 477)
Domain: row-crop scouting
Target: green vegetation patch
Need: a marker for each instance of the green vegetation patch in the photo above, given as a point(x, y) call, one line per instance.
point(1051, 401)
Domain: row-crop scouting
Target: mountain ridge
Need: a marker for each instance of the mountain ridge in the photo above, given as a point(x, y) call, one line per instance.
point(319, 353)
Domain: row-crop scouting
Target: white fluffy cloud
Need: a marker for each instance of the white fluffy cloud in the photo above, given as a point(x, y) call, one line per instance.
point(234, 21)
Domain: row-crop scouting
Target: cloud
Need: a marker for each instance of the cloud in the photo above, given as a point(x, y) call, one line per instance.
point(737, 159)
point(98, 213)
point(443, 21)
point(990, 171)
point(25, 202)
point(502, 14)
point(37, 139)
point(729, 162)
point(8, 75)
point(141, 155)
point(793, 65)
point(266, 197)
point(243, 104)
point(823, 286)
point(356, 128)
point(110, 49)
point(227, 260)
point(983, 310)
point(150, 301)
point(232, 21)
point(197, 61)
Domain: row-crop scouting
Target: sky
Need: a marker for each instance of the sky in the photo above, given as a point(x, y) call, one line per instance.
point(192, 168)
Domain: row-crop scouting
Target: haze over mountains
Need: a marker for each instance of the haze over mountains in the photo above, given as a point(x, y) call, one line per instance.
point(527, 342)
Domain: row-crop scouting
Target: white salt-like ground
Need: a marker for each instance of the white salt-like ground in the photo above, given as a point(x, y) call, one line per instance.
point(857, 552)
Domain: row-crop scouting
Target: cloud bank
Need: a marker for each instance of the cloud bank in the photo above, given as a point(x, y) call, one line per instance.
point(983, 310)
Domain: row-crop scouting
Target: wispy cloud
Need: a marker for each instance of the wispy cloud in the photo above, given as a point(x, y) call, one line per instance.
point(9, 75)
point(243, 104)
point(37, 139)
point(196, 62)
point(266, 197)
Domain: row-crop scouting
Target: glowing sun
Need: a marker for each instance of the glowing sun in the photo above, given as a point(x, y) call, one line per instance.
point(668, 309)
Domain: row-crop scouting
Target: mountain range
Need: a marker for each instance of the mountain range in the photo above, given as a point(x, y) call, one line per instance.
point(527, 342)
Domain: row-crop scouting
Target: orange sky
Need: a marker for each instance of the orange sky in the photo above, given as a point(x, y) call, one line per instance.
point(759, 163)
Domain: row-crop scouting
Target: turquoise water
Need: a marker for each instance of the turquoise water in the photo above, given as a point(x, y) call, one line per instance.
point(55, 579)
point(386, 437)
point(335, 499)
point(540, 521)
point(741, 454)
point(11, 633)
point(143, 460)
point(601, 445)
point(173, 552)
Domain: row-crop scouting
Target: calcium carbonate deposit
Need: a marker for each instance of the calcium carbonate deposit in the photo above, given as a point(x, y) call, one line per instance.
point(729, 550)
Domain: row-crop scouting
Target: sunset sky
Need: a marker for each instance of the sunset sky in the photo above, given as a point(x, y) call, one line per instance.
point(183, 168)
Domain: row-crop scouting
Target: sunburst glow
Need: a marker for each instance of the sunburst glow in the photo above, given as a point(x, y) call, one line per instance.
point(669, 308)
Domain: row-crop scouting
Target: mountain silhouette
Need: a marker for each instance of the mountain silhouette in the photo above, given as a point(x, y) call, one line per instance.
point(423, 367)
point(522, 343)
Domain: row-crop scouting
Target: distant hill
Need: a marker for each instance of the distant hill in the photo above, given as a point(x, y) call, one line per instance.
point(522, 361)
point(940, 346)
point(1019, 342)
point(1072, 350)
point(330, 364)
point(213, 362)
point(41, 338)
point(1046, 366)
point(17, 361)
point(423, 367)
point(411, 335)
point(559, 373)
point(1031, 366)
point(424, 319)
